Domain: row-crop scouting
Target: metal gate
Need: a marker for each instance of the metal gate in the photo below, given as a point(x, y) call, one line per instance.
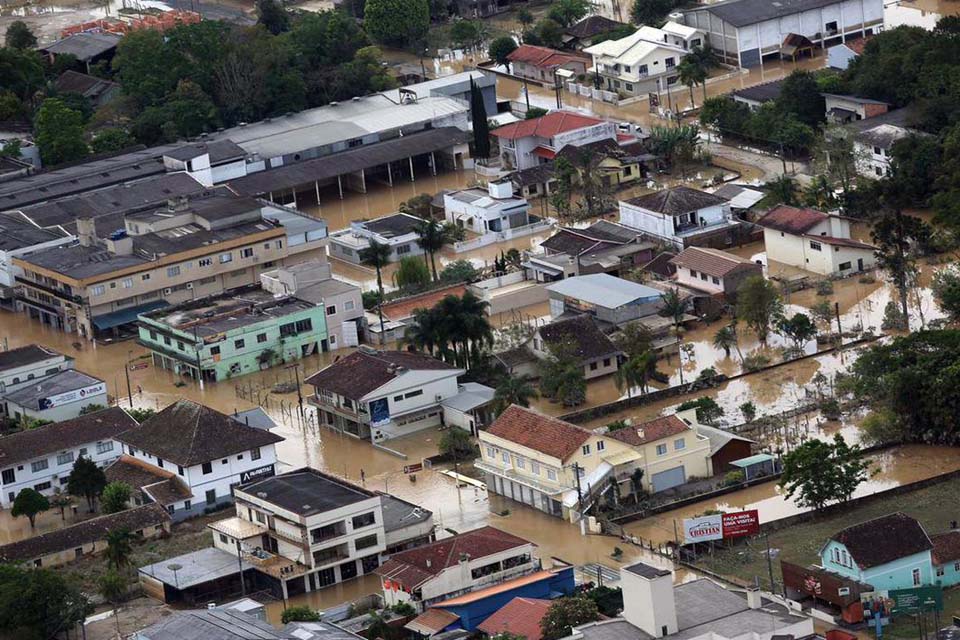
point(668, 479)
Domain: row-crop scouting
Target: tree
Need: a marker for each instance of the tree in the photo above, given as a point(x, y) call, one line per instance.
point(550, 33)
point(561, 375)
point(412, 274)
point(568, 12)
point(459, 271)
point(837, 157)
point(799, 328)
point(29, 503)
point(749, 411)
point(759, 305)
point(524, 17)
point(800, 96)
point(481, 128)
point(113, 587)
point(674, 307)
point(651, 12)
point(397, 23)
point(708, 411)
point(634, 339)
point(518, 390)
point(726, 338)
point(431, 236)
point(420, 206)
point(272, 15)
point(500, 50)
point(467, 34)
point(60, 501)
point(457, 444)
point(300, 613)
point(946, 291)
point(782, 189)
point(897, 236)
point(86, 480)
point(377, 255)
point(59, 133)
point(115, 497)
point(819, 472)
point(635, 372)
point(692, 74)
point(37, 603)
point(119, 547)
point(19, 36)
point(566, 613)
point(111, 140)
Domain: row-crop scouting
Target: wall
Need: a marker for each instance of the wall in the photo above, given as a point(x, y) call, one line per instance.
point(19, 377)
point(57, 414)
point(457, 579)
point(685, 276)
point(97, 546)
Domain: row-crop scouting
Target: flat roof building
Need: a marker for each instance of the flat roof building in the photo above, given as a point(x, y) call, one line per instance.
point(57, 397)
point(21, 366)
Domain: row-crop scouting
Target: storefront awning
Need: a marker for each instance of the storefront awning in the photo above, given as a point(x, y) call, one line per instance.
point(126, 316)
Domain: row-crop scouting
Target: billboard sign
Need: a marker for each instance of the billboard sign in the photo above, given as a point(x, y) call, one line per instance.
point(257, 474)
point(917, 600)
point(720, 526)
point(68, 397)
point(741, 523)
point(379, 412)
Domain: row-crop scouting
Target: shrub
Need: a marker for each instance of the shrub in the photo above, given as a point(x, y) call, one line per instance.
point(301, 613)
point(403, 609)
point(830, 409)
point(825, 288)
point(755, 362)
point(732, 478)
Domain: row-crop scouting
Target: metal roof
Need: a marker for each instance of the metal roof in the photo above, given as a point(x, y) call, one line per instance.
point(752, 460)
point(68, 380)
point(604, 290)
point(86, 45)
point(195, 568)
point(740, 13)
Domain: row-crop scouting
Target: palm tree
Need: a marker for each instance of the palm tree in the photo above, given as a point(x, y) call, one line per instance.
point(422, 334)
point(782, 189)
point(691, 74)
point(377, 255)
point(474, 328)
point(119, 547)
point(725, 338)
point(674, 307)
point(432, 237)
point(517, 390)
point(705, 59)
point(630, 374)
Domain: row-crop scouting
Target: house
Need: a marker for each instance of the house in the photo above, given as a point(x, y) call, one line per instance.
point(305, 530)
point(671, 451)
point(88, 537)
point(744, 32)
point(97, 90)
point(820, 588)
point(379, 395)
point(613, 301)
point(88, 47)
point(656, 608)
point(541, 64)
point(520, 618)
point(454, 566)
point(42, 458)
point(726, 446)
point(536, 181)
point(471, 409)
point(842, 109)
point(617, 163)
point(58, 397)
point(595, 351)
point(493, 210)
point(645, 61)
point(813, 241)
point(18, 238)
point(713, 271)
point(839, 56)
point(583, 33)
point(873, 140)
point(20, 366)
point(603, 247)
point(209, 451)
point(683, 217)
point(742, 198)
point(529, 143)
point(235, 333)
point(551, 465)
point(759, 94)
point(398, 231)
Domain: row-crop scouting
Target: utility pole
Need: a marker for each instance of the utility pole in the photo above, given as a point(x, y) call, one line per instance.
point(456, 469)
point(576, 474)
point(766, 537)
point(836, 310)
point(296, 374)
point(126, 370)
point(243, 583)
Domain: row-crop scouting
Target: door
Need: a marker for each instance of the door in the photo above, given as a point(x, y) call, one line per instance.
point(859, 264)
point(668, 479)
point(350, 338)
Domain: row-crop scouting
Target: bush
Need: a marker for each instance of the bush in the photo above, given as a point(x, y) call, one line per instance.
point(370, 300)
point(457, 444)
point(301, 613)
point(830, 409)
point(755, 362)
point(459, 271)
point(403, 609)
point(893, 317)
point(115, 497)
point(825, 288)
point(732, 478)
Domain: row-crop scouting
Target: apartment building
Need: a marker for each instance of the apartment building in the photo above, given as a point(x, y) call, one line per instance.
point(43, 458)
point(190, 248)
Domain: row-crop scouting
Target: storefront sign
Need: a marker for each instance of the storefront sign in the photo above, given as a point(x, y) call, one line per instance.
point(68, 397)
point(741, 523)
point(918, 600)
point(256, 474)
point(703, 529)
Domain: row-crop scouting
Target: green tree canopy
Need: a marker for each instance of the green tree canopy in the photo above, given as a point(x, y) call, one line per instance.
point(457, 444)
point(708, 411)
point(300, 613)
point(59, 133)
point(86, 480)
point(38, 604)
point(798, 328)
point(397, 23)
point(111, 140)
point(561, 375)
point(513, 389)
point(501, 48)
point(115, 497)
point(566, 613)
point(568, 12)
point(817, 472)
point(759, 305)
point(651, 12)
point(29, 503)
point(272, 15)
point(459, 271)
point(412, 274)
point(19, 36)
point(946, 292)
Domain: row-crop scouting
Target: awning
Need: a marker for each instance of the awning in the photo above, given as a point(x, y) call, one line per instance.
point(544, 152)
point(126, 316)
point(752, 460)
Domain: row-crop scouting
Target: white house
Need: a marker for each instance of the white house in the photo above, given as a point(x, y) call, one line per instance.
point(813, 241)
point(494, 210)
point(454, 566)
point(743, 32)
point(203, 452)
point(57, 397)
point(43, 458)
point(682, 216)
point(713, 271)
point(529, 143)
point(383, 394)
point(397, 231)
point(209, 163)
point(21, 366)
point(645, 61)
point(20, 237)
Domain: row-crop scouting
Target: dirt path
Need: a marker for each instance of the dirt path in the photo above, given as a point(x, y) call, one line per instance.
point(770, 166)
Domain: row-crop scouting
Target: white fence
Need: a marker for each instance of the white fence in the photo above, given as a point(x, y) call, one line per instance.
point(587, 91)
point(499, 236)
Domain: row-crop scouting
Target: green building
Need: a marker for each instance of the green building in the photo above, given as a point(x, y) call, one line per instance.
point(233, 334)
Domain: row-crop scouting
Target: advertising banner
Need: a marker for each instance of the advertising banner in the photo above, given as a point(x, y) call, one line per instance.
point(741, 523)
point(68, 397)
point(703, 529)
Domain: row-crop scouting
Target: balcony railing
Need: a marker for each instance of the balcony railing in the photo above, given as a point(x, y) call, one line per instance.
point(57, 293)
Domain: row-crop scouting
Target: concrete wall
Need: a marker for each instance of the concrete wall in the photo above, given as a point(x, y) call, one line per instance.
point(802, 252)
point(97, 546)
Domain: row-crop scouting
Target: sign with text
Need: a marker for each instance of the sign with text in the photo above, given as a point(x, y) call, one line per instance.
point(918, 600)
point(720, 526)
point(741, 523)
point(256, 474)
point(413, 468)
point(72, 396)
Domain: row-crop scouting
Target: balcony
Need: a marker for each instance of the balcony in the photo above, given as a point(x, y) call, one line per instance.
point(548, 487)
point(57, 293)
point(339, 553)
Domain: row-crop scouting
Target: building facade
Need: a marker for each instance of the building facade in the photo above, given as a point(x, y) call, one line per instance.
point(398, 231)
point(490, 211)
point(58, 397)
point(530, 143)
point(20, 366)
point(682, 216)
point(713, 271)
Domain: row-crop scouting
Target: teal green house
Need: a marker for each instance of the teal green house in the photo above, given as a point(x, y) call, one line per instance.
point(232, 334)
point(893, 552)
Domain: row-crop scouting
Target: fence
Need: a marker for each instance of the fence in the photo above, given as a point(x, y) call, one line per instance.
point(593, 93)
point(494, 237)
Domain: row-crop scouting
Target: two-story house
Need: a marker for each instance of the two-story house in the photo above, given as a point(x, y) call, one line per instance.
point(713, 271)
point(671, 451)
point(533, 142)
point(454, 566)
point(205, 453)
point(683, 217)
point(21, 366)
point(43, 458)
point(813, 241)
point(493, 210)
point(581, 336)
point(383, 394)
point(397, 230)
point(551, 465)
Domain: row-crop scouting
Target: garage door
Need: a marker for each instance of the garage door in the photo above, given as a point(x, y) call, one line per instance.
point(668, 479)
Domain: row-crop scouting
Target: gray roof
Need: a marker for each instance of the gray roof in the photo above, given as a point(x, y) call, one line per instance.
point(86, 85)
point(741, 13)
point(398, 514)
point(397, 224)
point(219, 151)
point(451, 85)
point(17, 233)
point(677, 201)
point(256, 418)
point(850, 98)
point(306, 491)
point(884, 135)
point(765, 92)
point(68, 380)
point(86, 45)
point(212, 624)
point(472, 395)
point(604, 290)
point(21, 356)
point(719, 437)
point(195, 568)
point(79, 261)
point(320, 291)
point(647, 571)
point(318, 631)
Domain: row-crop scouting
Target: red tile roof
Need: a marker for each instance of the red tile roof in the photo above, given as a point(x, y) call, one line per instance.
point(545, 152)
point(652, 431)
point(519, 617)
point(536, 431)
point(404, 308)
point(543, 57)
point(712, 262)
point(545, 126)
point(946, 547)
point(792, 219)
point(414, 567)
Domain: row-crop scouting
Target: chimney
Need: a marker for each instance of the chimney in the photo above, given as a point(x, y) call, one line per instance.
point(640, 433)
point(754, 599)
point(87, 231)
point(429, 563)
point(211, 605)
point(648, 599)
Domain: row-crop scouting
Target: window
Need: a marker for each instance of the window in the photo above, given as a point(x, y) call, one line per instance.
point(364, 520)
point(535, 467)
point(956, 566)
point(940, 572)
point(593, 366)
point(225, 258)
point(626, 68)
point(43, 486)
point(239, 344)
point(255, 454)
point(240, 457)
point(145, 277)
point(601, 445)
point(212, 496)
point(173, 271)
point(160, 463)
point(39, 465)
point(844, 266)
point(206, 468)
point(679, 444)
point(491, 453)
point(693, 274)
point(288, 329)
point(521, 462)
point(224, 539)
point(551, 474)
point(179, 470)
point(332, 310)
point(643, 70)
point(171, 509)
point(78, 552)
point(65, 458)
point(816, 246)
point(214, 351)
point(628, 86)
point(412, 394)
point(187, 505)
point(246, 252)
point(304, 325)
point(366, 542)
point(97, 290)
point(261, 337)
point(279, 244)
point(9, 476)
point(716, 280)
point(606, 362)
point(670, 63)
point(505, 457)
point(205, 262)
point(348, 305)
point(831, 27)
point(661, 449)
point(402, 249)
point(876, 151)
point(105, 447)
point(113, 285)
point(916, 577)
point(127, 283)
point(585, 449)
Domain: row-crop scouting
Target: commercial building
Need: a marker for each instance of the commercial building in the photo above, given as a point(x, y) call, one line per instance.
point(610, 300)
point(713, 271)
point(305, 530)
point(238, 332)
point(529, 143)
point(541, 64)
point(493, 210)
point(398, 231)
point(61, 396)
point(241, 620)
point(42, 458)
point(19, 367)
point(683, 217)
point(20, 238)
point(455, 566)
point(210, 452)
point(584, 339)
point(813, 241)
point(744, 32)
point(456, 86)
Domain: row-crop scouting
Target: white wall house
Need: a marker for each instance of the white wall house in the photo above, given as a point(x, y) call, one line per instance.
point(397, 231)
point(43, 458)
point(813, 241)
point(21, 366)
point(873, 148)
point(713, 271)
point(681, 216)
point(493, 210)
point(208, 452)
point(529, 143)
point(57, 397)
